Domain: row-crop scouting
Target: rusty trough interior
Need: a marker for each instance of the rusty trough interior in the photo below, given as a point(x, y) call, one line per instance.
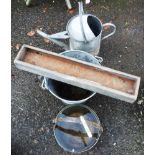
point(79, 70)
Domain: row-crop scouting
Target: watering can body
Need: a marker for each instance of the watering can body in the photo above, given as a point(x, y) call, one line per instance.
point(92, 29)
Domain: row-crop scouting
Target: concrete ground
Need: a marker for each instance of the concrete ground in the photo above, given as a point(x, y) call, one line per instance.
point(33, 109)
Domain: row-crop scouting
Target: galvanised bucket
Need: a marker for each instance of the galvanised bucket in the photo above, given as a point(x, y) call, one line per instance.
point(67, 93)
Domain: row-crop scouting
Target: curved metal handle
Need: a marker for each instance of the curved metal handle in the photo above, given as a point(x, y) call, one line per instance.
point(114, 30)
point(100, 59)
point(43, 85)
point(81, 12)
point(54, 38)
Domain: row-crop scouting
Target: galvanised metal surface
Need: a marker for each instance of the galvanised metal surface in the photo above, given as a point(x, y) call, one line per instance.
point(33, 109)
point(56, 87)
point(80, 38)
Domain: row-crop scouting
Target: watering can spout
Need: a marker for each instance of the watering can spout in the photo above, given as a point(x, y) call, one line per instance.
point(54, 38)
point(43, 34)
point(60, 35)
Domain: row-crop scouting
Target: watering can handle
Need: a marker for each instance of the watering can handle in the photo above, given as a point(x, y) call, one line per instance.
point(44, 85)
point(114, 30)
point(54, 38)
point(81, 12)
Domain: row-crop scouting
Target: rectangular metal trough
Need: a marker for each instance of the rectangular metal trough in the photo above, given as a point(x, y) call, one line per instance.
point(92, 77)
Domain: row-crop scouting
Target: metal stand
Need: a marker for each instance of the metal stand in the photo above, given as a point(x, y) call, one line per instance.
point(28, 2)
point(68, 3)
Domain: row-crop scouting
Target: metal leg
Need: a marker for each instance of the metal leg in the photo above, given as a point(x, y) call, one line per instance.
point(68, 3)
point(28, 2)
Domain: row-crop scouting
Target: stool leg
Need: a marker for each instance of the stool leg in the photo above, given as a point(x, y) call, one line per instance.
point(68, 4)
point(28, 2)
